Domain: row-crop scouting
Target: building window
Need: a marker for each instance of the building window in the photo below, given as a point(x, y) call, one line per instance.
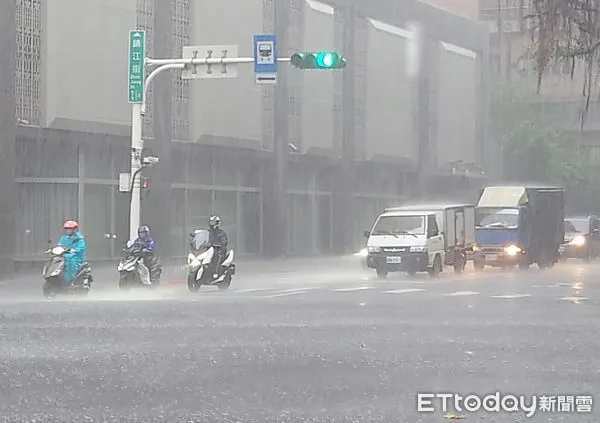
point(28, 62)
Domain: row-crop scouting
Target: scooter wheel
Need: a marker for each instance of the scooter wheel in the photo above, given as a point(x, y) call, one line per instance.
point(224, 286)
point(193, 285)
point(48, 291)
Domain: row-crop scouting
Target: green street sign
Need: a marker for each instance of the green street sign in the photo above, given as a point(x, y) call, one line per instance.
point(137, 53)
point(318, 60)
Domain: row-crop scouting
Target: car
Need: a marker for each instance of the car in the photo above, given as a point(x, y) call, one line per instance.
point(582, 238)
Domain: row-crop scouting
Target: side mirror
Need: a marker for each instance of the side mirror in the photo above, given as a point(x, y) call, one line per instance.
point(367, 234)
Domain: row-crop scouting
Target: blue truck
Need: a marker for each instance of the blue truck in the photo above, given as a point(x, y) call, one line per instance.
point(519, 226)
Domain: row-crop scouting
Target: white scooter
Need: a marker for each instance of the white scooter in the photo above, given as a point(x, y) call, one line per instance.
point(200, 265)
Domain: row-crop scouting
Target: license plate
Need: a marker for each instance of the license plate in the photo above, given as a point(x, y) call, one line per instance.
point(393, 260)
point(491, 257)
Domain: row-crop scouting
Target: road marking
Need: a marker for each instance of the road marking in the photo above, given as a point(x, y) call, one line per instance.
point(573, 299)
point(300, 289)
point(508, 297)
point(404, 291)
point(356, 288)
point(285, 294)
point(461, 294)
point(255, 289)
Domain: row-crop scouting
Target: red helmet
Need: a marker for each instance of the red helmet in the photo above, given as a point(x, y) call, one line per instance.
point(71, 224)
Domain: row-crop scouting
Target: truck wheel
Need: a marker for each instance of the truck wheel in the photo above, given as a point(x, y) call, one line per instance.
point(436, 269)
point(381, 273)
point(588, 255)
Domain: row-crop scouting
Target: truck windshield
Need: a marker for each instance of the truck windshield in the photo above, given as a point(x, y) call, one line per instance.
point(399, 225)
point(577, 225)
point(497, 218)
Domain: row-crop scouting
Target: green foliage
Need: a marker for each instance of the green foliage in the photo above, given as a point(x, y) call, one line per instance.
point(536, 150)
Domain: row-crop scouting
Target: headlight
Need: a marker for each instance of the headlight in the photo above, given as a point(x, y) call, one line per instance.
point(578, 241)
point(57, 251)
point(418, 249)
point(373, 249)
point(55, 273)
point(512, 250)
point(361, 253)
point(475, 248)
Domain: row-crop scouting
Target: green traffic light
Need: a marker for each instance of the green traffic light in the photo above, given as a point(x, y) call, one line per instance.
point(325, 60)
point(319, 60)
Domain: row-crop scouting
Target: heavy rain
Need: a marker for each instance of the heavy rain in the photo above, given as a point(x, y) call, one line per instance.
point(299, 210)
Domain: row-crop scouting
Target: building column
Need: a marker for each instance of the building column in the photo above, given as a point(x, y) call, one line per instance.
point(424, 122)
point(9, 204)
point(274, 224)
point(343, 194)
point(156, 209)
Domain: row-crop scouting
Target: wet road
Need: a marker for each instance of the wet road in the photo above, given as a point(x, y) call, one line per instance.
point(323, 342)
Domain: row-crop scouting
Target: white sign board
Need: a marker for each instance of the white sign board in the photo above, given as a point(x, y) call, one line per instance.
point(124, 182)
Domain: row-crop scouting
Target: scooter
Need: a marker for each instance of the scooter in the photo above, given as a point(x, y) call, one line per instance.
point(201, 266)
point(54, 275)
point(132, 270)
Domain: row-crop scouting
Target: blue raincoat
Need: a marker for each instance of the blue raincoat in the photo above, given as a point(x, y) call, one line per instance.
point(73, 260)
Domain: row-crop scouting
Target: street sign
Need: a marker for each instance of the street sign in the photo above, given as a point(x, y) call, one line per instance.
point(124, 182)
point(137, 50)
point(265, 59)
point(202, 71)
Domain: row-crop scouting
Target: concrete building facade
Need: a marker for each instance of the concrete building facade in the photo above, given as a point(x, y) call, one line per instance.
point(367, 137)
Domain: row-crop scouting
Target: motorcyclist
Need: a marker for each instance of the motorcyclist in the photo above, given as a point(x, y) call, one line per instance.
point(73, 240)
point(145, 244)
point(218, 239)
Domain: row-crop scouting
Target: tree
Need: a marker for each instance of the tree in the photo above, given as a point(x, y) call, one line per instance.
point(567, 30)
point(535, 150)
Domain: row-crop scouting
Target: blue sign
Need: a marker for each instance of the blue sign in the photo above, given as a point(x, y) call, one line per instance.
point(265, 59)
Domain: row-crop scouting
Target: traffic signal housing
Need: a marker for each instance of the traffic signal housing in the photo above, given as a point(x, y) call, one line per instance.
point(318, 60)
point(145, 182)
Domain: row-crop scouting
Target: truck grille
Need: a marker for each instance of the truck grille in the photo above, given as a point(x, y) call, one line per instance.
point(395, 250)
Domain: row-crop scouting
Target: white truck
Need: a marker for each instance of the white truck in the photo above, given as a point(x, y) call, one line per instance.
point(421, 238)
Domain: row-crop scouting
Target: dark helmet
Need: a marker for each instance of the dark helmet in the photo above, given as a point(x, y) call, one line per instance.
point(214, 222)
point(143, 232)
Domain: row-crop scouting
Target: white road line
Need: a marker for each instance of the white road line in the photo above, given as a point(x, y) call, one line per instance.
point(404, 291)
point(573, 299)
point(356, 288)
point(300, 289)
point(285, 294)
point(255, 290)
point(511, 296)
point(461, 294)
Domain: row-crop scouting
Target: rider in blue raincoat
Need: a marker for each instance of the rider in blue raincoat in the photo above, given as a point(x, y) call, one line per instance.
point(73, 239)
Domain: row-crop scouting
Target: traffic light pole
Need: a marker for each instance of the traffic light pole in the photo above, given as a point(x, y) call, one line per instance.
point(136, 165)
point(139, 110)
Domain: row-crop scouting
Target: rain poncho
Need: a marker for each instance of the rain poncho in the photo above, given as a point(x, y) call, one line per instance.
point(73, 261)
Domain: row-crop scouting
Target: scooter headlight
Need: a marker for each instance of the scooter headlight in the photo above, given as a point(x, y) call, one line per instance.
point(55, 273)
point(512, 250)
